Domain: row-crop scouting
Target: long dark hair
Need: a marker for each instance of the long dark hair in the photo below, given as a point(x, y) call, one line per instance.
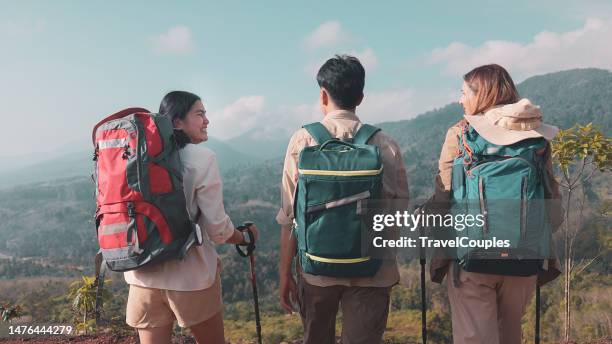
point(492, 85)
point(176, 105)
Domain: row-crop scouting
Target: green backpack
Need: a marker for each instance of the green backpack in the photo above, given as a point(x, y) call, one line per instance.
point(335, 178)
point(505, 184)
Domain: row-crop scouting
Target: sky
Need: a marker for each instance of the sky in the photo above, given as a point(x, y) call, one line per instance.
point(64, 65)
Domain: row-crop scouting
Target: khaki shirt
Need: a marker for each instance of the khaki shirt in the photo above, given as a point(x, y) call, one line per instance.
point(343, 125)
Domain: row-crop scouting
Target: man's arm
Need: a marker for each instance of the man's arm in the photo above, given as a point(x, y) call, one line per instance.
point(288, 247)
point(288, 287)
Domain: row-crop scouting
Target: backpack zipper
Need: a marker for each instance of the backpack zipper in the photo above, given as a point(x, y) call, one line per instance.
point(339, 202)
point(523, 207)
point(483, 205)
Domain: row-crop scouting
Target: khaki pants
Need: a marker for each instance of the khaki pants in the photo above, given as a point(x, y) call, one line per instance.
point(487, 309)
point(364, 313)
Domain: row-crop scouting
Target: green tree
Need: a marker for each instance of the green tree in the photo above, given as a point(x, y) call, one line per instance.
point(82, 294)
point(579, 152)
point(10, 312)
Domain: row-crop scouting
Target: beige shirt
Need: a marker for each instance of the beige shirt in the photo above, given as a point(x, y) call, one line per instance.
point(203, 188)
point(343, 125)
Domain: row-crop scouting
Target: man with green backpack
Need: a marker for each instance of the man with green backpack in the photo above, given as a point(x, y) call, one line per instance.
point(332, 168)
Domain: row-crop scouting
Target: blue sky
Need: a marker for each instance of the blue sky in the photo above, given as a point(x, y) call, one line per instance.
point(66, 64)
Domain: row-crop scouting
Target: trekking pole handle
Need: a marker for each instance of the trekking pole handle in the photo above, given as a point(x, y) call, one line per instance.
point(250, 246)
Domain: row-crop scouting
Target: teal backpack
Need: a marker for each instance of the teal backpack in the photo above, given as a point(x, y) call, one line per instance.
point(504, 184)
point(335, 179)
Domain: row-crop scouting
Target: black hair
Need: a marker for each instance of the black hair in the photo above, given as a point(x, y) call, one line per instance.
point(343, 77)
point(176, 105)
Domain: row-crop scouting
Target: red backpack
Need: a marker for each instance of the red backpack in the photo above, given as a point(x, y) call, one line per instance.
point(141, 215)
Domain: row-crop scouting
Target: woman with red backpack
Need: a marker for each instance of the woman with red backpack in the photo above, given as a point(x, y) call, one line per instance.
point(187, 290)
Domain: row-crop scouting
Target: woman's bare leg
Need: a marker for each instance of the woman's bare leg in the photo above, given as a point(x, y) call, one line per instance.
point(210, 331)
point(155, 335)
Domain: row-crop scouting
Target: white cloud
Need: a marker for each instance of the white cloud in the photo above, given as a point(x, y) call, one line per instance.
point(391, 105)
point(331, 39)
point(253, 116)
point(238, 117)
point(547, 52)
point(177, 40)
point(295, 116)
point(282, 121)
point(367, 57)
point(403, 103)
point(327, 34)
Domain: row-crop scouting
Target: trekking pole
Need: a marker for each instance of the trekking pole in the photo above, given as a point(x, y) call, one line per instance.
point(250, 248)
point(422, 261)
point(99, 285)
point(537, 315)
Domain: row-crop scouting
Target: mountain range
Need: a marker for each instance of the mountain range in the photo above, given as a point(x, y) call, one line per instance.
point(53, 218)
point(568, 97)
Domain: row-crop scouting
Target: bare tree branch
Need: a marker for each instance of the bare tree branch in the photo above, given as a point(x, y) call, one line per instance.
point(586, 265)
point(579, 174)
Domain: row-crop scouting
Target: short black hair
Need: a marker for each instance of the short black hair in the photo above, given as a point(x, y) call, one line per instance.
point(343, 77)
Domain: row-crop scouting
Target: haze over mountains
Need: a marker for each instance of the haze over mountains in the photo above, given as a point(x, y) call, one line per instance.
point(41, 167)
point(251, 191)
point(568, 97)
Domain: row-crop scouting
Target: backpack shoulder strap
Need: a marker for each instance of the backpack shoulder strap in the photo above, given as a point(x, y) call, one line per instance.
point(464, 147)
point(365, 133)
point(318, 132)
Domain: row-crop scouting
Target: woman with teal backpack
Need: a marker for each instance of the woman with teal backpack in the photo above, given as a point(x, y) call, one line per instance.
point(488, 296)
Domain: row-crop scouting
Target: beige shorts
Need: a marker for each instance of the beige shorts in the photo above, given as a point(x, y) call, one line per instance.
point(149, 307)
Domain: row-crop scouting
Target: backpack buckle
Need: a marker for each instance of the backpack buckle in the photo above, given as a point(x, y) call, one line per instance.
point(131, 211)
point(126, 152)
point(96, 152)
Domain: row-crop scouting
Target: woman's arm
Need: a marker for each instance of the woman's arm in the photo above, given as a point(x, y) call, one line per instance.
point(439, 264)
point(209, 197)
point(450, 151)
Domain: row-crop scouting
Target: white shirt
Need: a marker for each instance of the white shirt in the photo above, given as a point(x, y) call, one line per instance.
point(204, 189)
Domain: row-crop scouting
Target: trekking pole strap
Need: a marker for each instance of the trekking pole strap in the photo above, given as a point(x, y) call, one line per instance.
point(250, 246)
